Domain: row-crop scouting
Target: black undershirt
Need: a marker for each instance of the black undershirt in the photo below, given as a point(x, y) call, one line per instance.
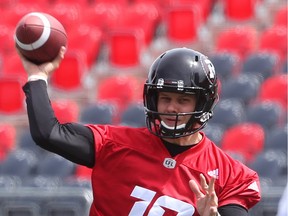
point(175, 149)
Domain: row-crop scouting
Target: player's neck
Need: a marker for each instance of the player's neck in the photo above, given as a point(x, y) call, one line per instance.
point(187, 140)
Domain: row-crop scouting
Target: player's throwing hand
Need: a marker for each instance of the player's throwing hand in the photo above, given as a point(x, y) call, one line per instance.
point(45, 69)
point(207, 200)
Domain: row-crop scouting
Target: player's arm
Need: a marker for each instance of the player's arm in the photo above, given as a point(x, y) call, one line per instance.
point(232, 209)
point(72, 141)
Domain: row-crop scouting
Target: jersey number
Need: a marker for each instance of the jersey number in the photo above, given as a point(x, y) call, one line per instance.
point(171, 203)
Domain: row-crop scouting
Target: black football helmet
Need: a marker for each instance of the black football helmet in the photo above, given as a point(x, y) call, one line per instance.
point(186, 71)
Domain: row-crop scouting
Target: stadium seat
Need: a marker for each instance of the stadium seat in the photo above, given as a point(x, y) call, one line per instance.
point(144, 16)
point(275, 88)
point(270, 164)
point(228, 112)
point(19, 163)
point(19, 10)
point(10, 181)
point(26, 142)
point(239, 39)
point(261, 63)
point(88, 39)
point(280, 17)
point(268, 114)
point(20, 208)
point(274, 40)
point(98, 113)
point(8, 137)
point(42, 181)
point(182, 23)
point(79, 182)
point(102, 14)
point(125, 46)
point(133, 115)
point(6, 40)
point(12, 66)
point(204, 6)
point(121, 90)
point(11, 95)
point(70, 74)
point(67, 13)
point(131, 34)
point(66, 110)
point(55, 165)
point(277, 139)
point(240, 10)
point(245, 138)
point(214, 132)
point(226, 64)
point(244, 87)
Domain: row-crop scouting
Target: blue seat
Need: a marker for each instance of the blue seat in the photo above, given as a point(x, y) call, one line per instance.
point(133, 115)
point(19, 162)
point(268, 114)
point(277, 139)
point(271, 164)
point(20, 208)
point(244, 87)
point(228, 112)
point(55, 165)
point(214, 132)
point(42, 181)
point(226, 64)
point(26, 142)
point(264, 64)
point(98, 113)
point(10, 181)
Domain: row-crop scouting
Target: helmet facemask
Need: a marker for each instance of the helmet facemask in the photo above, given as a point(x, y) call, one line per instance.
point(167, 74)
point(197, 121)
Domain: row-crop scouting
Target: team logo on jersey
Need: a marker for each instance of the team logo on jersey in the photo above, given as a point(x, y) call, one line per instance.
point(169, 163)
point(214, 173)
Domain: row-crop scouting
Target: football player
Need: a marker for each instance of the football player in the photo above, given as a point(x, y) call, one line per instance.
point(169, 167)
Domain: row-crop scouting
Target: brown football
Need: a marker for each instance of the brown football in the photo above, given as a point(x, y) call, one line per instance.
point(39, 37)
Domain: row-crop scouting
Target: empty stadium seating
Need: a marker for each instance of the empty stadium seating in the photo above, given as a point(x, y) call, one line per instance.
point(247, 48)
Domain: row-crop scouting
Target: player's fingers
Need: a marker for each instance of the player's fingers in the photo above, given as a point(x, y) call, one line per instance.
point(56, 62)
point(204, 184)
point(211, 187)
point(195, 189)
point(213, 199)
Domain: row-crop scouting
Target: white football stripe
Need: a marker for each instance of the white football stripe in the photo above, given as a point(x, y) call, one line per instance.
point(43, 38)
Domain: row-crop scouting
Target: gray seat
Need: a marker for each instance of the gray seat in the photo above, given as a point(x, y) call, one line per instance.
point(268, 114)
point(55, 165)
point(225, 63)
point(228, 112)
point(133, 115)
point(20, 163)
point(261, 63)
point(244, 87)
point(98, 113)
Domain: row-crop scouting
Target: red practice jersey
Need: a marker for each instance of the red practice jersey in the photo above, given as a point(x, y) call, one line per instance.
point(135, 175)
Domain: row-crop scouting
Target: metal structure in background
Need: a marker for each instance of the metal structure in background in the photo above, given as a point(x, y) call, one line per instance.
point(29, 201)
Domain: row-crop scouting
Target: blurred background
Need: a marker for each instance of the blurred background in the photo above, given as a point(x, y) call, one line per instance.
point(111, 44)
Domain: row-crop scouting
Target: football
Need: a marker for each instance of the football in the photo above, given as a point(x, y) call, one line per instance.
point(39, 37)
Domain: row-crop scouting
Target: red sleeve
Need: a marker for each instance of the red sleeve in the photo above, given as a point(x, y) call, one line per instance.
point(239, 185)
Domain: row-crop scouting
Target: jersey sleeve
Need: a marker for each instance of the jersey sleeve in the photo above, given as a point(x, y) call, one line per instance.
point(241, 186)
